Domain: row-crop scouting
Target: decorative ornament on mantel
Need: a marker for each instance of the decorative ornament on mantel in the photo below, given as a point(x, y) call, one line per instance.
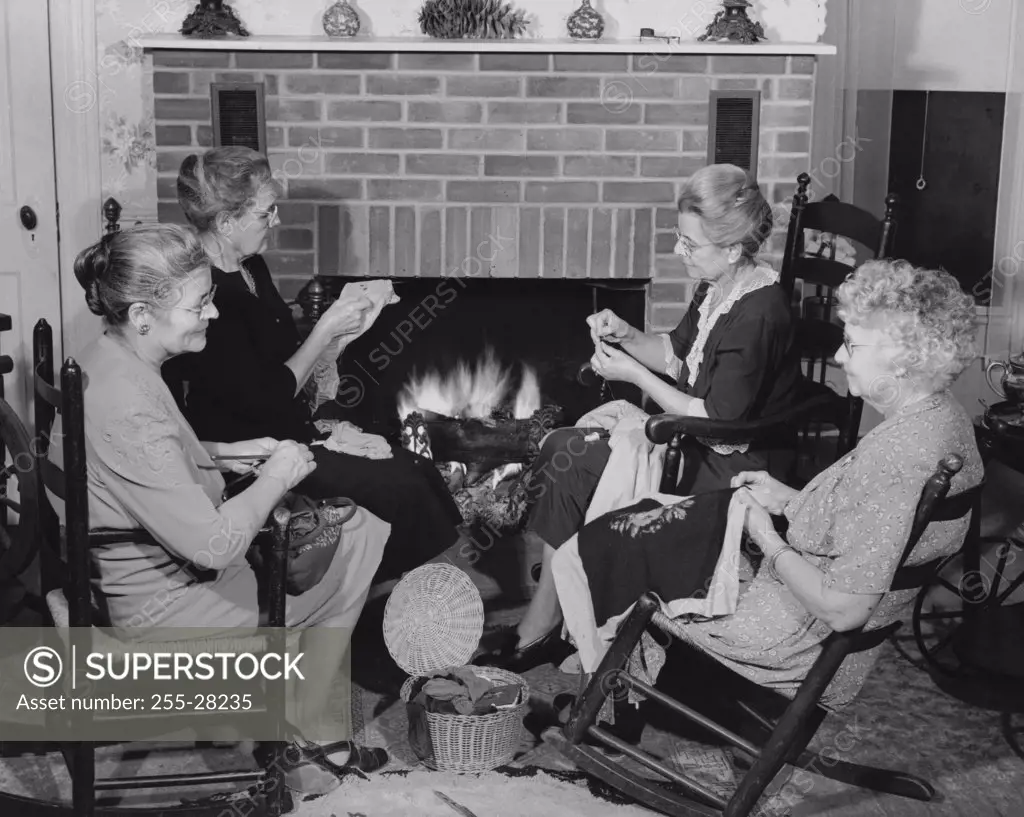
point(585, 23)
point(471, 19)
point(211, 19)
point(793, 21)
point(731, 24)
point(341, 20)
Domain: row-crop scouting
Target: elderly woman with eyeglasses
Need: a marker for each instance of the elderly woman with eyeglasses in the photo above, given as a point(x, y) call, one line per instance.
point(248, 381)
point(731, 357)
point(148, 469)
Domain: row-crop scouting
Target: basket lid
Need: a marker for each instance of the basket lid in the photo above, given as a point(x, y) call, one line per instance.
point(433, 619)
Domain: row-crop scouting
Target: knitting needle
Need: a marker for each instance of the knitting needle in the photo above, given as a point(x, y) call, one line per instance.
point(239, 457)
point(456, 807)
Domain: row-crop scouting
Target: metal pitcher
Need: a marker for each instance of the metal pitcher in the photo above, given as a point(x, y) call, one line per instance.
point(1011, 384)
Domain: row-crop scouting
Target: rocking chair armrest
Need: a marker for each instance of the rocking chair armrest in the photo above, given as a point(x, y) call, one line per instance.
point(661, 428)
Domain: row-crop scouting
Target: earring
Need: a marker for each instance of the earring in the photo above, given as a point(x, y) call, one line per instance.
point(144, 329)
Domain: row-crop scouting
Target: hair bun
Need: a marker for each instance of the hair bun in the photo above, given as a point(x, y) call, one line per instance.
point(90, 268)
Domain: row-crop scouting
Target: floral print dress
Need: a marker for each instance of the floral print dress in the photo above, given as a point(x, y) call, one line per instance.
point(851, 521)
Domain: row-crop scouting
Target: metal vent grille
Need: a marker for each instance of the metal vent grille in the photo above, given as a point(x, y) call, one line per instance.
point(733, 128)
point(238, 115)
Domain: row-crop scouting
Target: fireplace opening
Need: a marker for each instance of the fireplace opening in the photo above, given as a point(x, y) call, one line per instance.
point(531, 335)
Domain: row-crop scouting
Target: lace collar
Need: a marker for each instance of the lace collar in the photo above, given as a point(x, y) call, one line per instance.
point(761, 277)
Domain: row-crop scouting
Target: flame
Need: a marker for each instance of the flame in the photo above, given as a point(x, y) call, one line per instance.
point(469, 392)
point(528, 397)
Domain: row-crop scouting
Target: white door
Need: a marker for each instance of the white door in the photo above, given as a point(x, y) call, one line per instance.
point(29, 276)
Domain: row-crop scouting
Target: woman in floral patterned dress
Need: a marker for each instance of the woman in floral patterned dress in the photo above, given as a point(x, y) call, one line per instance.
point(909, 333)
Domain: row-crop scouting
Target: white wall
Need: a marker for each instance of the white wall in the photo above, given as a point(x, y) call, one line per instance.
point(952, 45)
point(936, 45)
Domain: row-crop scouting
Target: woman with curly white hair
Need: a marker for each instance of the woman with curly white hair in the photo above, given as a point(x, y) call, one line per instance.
point(909, 332)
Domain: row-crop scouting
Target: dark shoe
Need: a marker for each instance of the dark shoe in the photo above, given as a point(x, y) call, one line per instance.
point(309, 770)
point(500, 650)
point(360, 758)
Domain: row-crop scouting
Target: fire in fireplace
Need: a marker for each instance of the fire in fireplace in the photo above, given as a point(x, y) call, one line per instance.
point(451, 354)
point(478, 416)
point(477, 391)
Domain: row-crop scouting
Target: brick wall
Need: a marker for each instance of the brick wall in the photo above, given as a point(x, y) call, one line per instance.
point(542, 165)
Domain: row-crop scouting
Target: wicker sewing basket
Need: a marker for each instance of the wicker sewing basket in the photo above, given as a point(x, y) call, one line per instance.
point(433, 620)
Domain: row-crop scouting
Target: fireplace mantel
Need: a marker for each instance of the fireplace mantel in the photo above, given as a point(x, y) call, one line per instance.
point(633, 45)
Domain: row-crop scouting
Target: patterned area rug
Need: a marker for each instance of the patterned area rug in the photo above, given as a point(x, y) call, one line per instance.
point(900, 721)
point(441, 794)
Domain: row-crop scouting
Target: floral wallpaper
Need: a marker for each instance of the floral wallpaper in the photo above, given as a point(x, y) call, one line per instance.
point(125, 99)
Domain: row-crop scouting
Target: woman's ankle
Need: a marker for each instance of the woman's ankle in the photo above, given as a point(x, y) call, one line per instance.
point(535, 631)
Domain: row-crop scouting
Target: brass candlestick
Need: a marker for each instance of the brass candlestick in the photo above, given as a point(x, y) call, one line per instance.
point(732, 23)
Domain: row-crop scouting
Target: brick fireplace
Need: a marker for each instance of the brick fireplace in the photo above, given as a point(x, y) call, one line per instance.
point(500, 164)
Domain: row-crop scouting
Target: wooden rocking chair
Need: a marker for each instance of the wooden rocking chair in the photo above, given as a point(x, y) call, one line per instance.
point(776, 729)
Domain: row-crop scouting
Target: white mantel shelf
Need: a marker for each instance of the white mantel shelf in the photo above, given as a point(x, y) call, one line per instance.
point(270, 42)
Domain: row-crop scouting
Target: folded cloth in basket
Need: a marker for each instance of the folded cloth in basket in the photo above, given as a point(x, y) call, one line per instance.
point(461, 691)
point(348, 438)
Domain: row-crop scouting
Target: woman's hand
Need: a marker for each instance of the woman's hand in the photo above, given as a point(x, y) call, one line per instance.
point(759, 524)
point(290, 463)
point(768, 491)
point(345, 317)
point(614, 364)
point(607, 325)
point(261, 447)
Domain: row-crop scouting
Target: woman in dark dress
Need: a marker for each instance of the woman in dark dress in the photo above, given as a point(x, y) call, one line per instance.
point(248, 381)
point(732, 357)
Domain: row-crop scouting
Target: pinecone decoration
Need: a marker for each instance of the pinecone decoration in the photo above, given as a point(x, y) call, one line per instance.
point(585, 23)
point(341, 20)
point(471, 19)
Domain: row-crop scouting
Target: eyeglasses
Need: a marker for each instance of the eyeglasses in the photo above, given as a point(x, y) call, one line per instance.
point(686, 245)
point(851, 346)
point(269, 215)
point(203, 304)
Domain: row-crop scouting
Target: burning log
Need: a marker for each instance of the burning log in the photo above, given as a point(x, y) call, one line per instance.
point(482, 445)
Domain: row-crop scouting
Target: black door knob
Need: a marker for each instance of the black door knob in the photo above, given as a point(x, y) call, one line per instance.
point(28, 218)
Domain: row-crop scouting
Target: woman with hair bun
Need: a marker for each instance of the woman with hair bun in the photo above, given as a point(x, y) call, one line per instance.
point(147, 469)
point(732, 357)
point(249, 379)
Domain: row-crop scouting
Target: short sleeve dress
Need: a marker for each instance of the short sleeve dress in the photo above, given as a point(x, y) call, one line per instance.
point(851, 521)
point(147, 469)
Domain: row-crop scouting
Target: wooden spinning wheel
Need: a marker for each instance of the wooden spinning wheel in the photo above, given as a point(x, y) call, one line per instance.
point(957, 593)
point(18, 499)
